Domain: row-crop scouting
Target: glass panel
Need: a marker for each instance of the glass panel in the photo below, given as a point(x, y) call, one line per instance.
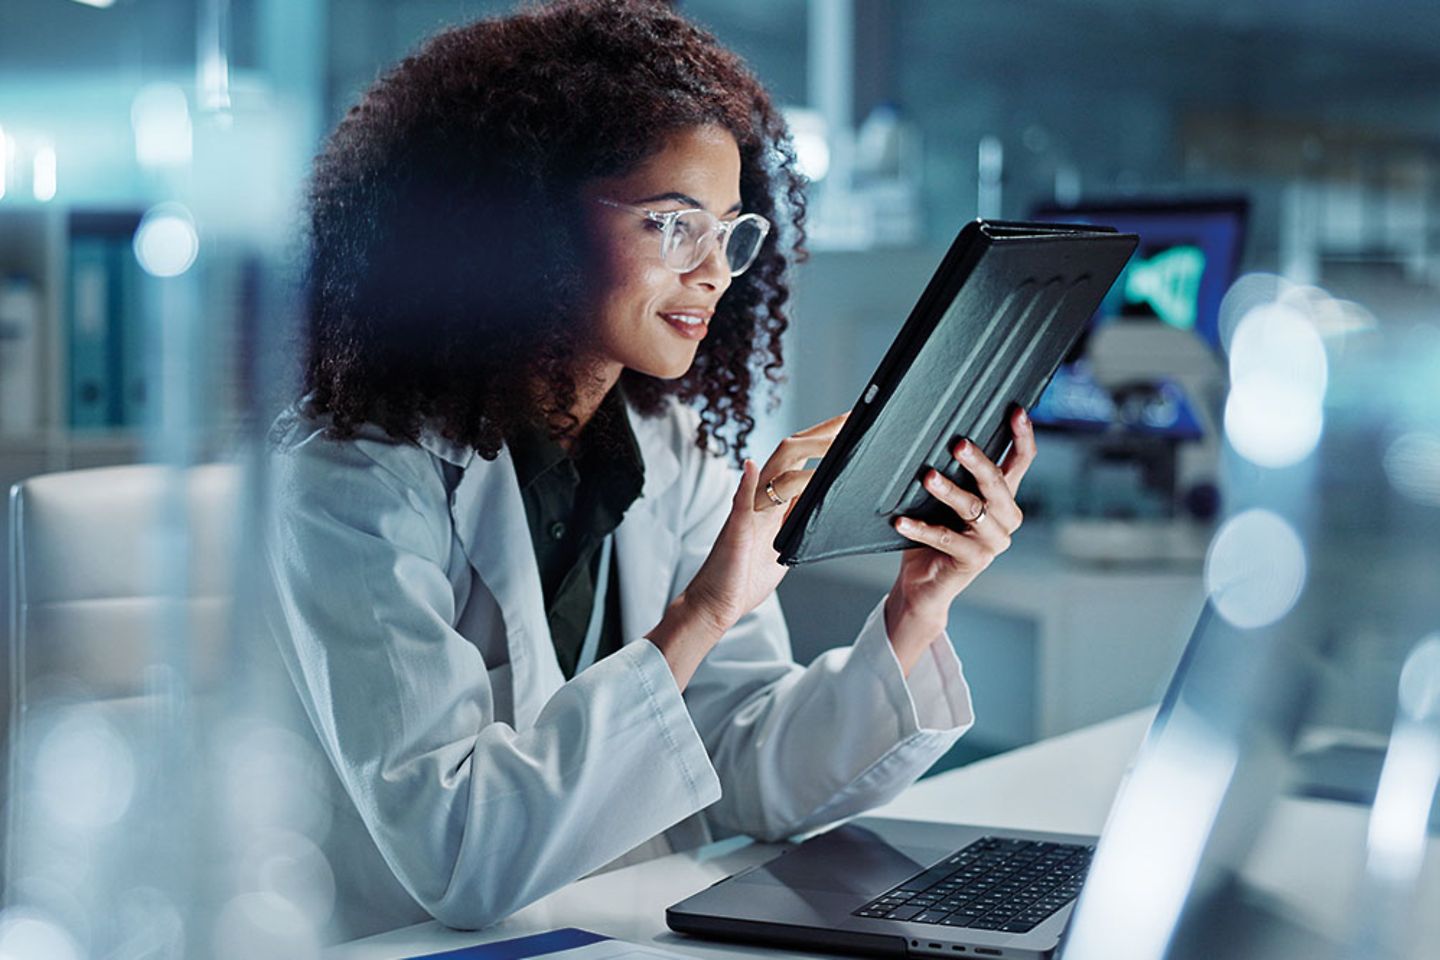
point(1287, 804)
point(155, 803)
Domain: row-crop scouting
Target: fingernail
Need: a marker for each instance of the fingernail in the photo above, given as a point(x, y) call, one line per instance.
point(1024, 417)
point(932, 479)
point(962, 449)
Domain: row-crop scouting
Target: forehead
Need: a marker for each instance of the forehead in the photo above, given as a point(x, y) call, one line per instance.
point(699, 162)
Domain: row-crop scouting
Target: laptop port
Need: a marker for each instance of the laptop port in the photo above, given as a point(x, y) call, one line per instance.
point(988, 952)
point(958, 949)
point(936, 946)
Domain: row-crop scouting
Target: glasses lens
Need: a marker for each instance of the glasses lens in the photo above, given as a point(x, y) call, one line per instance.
point(680, 247)
point(691, 239)
point(744, 242)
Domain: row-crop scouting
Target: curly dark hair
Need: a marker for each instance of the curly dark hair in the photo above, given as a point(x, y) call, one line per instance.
point(447, 265)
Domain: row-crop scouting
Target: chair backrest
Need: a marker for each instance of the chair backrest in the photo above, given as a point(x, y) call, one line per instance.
point(112, 571)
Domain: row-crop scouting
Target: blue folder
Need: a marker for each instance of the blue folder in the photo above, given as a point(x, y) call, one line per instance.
point(536, 945)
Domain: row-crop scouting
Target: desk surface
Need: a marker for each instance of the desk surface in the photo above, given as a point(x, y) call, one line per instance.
point(1085, 768)
point(1309, 861)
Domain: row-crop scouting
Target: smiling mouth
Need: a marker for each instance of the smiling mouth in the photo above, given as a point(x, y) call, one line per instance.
point(685, 319)
point(690, 326)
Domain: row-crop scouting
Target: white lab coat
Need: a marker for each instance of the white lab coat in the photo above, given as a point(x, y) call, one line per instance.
point(471, 777)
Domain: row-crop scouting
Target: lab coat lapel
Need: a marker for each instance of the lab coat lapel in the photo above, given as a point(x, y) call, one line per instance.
point(489, 518)
point(490, 522)
point(647, 539)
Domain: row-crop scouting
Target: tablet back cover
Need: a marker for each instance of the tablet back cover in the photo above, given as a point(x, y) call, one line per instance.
point(1006, 305)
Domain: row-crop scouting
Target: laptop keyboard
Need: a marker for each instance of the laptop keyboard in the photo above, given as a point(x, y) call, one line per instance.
point(993, 884)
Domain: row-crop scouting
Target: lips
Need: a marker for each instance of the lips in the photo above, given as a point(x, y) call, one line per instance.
point(691, 324)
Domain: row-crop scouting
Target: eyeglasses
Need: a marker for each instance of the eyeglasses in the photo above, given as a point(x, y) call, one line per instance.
point(688, 236)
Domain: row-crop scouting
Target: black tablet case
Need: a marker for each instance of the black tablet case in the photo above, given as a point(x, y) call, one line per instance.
point(1004, 308)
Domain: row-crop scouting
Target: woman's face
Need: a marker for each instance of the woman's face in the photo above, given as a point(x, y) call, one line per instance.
point(649, 318)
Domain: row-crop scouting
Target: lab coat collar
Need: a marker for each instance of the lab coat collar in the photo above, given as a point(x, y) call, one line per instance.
point(446, 449)
point(662, 466)
point(489, 517)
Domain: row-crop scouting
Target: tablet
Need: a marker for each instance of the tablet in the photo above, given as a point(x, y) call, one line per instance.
point(1004, 308)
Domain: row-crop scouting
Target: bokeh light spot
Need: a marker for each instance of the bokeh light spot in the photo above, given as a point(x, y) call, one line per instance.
point(1245, 294)
point(27, 935)
point(160, 118)
point(263, 925)
point(1278, 374)
point(166, 243)
point(1255, 569)
point(1272, 424)
point(1412, 462)
point(1279, 342)
point(85, 771)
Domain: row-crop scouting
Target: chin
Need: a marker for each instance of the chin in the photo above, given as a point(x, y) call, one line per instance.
point(668, 373)
point(665, 369)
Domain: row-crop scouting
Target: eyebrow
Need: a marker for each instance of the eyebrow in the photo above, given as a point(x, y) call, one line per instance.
point(682, 198)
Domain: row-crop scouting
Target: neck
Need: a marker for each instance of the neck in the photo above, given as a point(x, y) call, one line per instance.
point(590, 389)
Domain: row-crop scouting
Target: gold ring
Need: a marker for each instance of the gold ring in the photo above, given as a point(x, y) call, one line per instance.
point(979, 517)
point(774, 497)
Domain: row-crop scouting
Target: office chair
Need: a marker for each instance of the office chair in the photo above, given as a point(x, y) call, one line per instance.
point(114, 571)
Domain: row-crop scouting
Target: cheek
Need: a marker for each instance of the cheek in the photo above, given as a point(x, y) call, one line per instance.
point(634, 282)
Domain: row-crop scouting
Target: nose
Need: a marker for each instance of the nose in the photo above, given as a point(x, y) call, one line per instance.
point(712, 273)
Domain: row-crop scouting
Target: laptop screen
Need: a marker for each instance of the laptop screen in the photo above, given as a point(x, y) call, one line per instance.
point(1279, 786)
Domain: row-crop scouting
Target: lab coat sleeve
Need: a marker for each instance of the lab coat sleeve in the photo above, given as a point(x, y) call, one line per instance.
point(796, 748)
point(474, 818)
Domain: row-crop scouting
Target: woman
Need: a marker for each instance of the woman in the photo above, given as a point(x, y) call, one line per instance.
point(528, 609)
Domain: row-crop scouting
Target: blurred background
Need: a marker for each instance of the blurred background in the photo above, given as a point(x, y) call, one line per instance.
point(1272, 155)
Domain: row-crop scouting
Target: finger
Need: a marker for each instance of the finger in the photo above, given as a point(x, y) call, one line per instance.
point(793, 452)
point(825, 427)
point(965, 504)
point(1022, 452)
point(970, 508)
point(967, 551)
point(807, 444)
point(787, 487)
point(999, 500)
point(749, 482)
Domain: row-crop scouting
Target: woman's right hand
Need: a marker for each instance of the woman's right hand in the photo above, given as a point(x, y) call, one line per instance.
point(743, 567)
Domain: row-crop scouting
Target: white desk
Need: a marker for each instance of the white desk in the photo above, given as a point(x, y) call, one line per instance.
point(1008, 790)
point(1309, 858)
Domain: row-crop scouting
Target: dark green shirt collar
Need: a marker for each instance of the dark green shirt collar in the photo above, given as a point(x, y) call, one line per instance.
point(608, 436)
point(571, 505)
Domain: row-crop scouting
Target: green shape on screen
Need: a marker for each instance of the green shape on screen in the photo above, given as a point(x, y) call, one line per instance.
point(1170, 283)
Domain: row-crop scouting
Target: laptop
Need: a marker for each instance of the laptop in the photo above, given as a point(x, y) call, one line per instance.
point(907, 887)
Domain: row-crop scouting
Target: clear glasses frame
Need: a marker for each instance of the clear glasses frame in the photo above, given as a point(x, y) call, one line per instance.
point(673, 244)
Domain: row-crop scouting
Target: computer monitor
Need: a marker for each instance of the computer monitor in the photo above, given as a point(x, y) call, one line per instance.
point(1189, 255)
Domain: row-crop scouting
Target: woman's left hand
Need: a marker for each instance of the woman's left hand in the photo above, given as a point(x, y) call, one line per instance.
point(950, 558)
